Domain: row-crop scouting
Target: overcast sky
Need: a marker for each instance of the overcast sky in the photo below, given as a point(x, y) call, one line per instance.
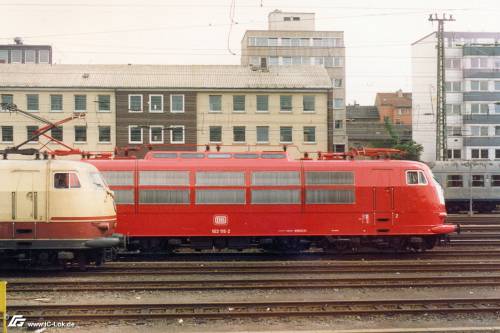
point(378, 33)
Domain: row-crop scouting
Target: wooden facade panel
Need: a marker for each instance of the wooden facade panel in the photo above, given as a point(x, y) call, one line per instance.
point(145, 119)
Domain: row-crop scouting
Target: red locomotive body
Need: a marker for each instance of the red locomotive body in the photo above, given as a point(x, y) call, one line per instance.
point(237, 200)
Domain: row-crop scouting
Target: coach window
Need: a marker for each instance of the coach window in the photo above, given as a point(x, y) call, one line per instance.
point(477, 180)
point(66, 180)
point(415, 178)
point(454, 181)
point(495, 180)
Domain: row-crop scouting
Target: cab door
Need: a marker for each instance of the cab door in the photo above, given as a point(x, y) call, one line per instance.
point(25, 199)
point(383, 198)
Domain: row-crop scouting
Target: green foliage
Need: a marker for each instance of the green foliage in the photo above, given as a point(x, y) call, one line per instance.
point(411, 150)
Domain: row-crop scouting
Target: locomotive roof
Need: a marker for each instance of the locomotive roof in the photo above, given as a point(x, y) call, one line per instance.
point(42, 164)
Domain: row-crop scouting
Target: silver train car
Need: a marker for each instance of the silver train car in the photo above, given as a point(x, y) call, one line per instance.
point(469, 181)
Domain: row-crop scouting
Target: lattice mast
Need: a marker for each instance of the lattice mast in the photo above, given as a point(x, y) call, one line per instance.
point(441, 135)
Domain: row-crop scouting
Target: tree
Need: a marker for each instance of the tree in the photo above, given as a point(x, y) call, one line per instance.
point(411, 150)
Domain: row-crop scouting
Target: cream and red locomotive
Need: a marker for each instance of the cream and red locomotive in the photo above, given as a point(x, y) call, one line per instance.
point(264, 199)
point(54, 211)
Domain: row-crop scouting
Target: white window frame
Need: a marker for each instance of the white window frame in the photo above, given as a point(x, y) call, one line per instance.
point(62, 103)
point(11, 57)
point(151, 136)
point(129, 100)
point(1, 134)
point(287, 142)
point(74, 103)
point(150, 104)
point(99, 104)
point(304, 134)
point(245, 134)
point(183, 134)
point(256, 135)
point(183, 104)
point(210, 105)
point(32, 52)
point(221, 134)
point(130, 134)
point(86, 135)
point(419, 172)
point(98, 136)
point(40, 57)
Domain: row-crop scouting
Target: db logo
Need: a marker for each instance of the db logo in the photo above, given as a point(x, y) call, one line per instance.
point(221, 220)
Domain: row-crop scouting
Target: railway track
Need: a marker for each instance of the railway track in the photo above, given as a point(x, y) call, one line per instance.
point(227, 310)
point(477, 229)
point(242, 284)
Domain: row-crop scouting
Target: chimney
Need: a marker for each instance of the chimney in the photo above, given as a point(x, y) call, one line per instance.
point(400, 93)
point(18, 41)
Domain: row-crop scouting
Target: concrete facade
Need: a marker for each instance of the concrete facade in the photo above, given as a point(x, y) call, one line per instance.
point(95, 132)
point(302, 131)
point(472, 97)
point(293, 40)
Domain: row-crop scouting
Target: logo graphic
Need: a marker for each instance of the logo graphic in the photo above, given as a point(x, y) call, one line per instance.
point(17, 321)
point(220, 220)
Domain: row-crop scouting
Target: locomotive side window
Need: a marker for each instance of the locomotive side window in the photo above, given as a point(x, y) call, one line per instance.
point(477, 180)
point(495, 180)
point(272, 156)
point(124, 196)
point(164, 196)
point(329, 178)
point(415, 178)
point(118, 178)
point(215, 178)
point(165, 155)
point(275, 196)
point(219, 155)
point(242, 155)
point(454, 181)
point(173, 178)
point(66, 180)
point(323, 196)
point(192, 155)
point(204, 196)
point(275, 178)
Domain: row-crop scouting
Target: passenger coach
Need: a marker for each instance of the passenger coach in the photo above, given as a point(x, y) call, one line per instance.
point(238, 200)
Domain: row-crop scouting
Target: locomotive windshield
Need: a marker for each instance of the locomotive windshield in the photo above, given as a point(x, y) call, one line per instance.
point(98, 180)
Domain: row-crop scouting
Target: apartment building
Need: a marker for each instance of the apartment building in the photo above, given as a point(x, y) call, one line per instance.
point(134, 107)
point(472, 62)
point(291, 39)
point(19, 53)
point(394, 107)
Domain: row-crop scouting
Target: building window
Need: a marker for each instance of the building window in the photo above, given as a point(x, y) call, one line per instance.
point(215, 102)
point(177, 134)
point(176, 103)
point(479, 85)
point(43, 57)
point(338, 148)
point(308, 103)
point(104, 134)
point(479, 130)
point(261, 41)
point(80, 134)
point(454, 154)
point(454, 181)
point(337, 83)
point(262, 103)
point(453, 63)
point(338, 103)
point(215, 134)
point(286, 42)
point(134, 103)
point(339, 124)
point(497, 153)
point(479, 153)
point(16, 56)
point(286, 61)
point(453, 86)
point(29, 56)
point(6, 99)
point(104, 103)
point(497, 85)
point(479, 108)
point(4, 56)
point(239, 134)
point(32, 102)
point(495, 180)
point(295, 42)
point(135, 134)
point(453, 109)
point(262, 134)
point(56, 103)
point(155, 103)
point(286, 134)
point(57, 133)
point(239, 103)
point(156, 134)
point(309, 134)
point(7, 134)
point(30, 131)
point(454, 130)
point(287, 18)
point(497, 107)
point(477, 180)
point(272, 41)
point(80, 103)
point(274, 61)
point(478, 62)
point(286, 103)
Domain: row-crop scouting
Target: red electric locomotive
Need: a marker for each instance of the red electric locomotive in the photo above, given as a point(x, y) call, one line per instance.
point(264, 199)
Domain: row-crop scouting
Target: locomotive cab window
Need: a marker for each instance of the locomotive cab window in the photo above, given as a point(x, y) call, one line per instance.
point(415, 178)
point(66, 180)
